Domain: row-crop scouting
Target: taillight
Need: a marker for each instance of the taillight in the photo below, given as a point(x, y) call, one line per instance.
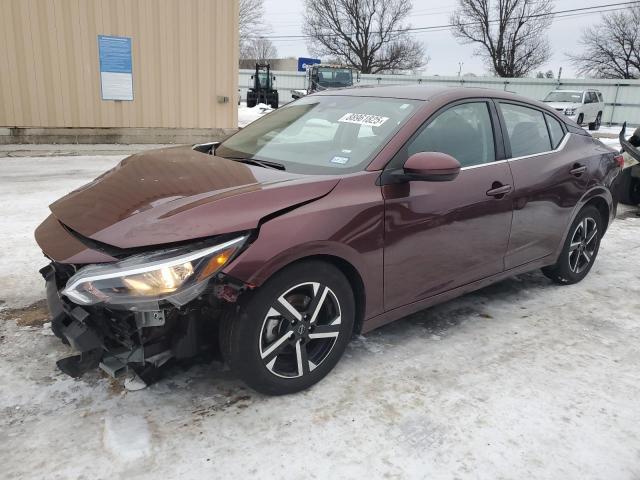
point(620, 160)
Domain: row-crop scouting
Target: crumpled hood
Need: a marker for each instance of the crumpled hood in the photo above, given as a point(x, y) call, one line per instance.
point(176, 194)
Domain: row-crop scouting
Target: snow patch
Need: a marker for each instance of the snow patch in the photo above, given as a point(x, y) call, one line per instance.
point(127, 437)
point(247, 115)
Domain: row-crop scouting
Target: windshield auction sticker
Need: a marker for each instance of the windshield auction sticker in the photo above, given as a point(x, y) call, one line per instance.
point(363, 119)
point(340, 160)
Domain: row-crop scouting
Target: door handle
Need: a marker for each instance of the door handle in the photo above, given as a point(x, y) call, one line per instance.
point(499, 190)
point(578, 169)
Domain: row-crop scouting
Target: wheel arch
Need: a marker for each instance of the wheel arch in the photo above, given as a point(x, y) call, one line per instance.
point(599, 197)
point(602, 206)
point(355, 280)
point(349, 271)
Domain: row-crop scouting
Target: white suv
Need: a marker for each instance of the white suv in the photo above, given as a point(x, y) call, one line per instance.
point(582, 106)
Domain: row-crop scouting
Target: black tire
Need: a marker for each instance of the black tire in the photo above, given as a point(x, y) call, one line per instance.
point(251, 100)
point(628, 188)
point(596, 125)
point(267, 348)
point(580, 119)
point(274, 100)
point(578, 253)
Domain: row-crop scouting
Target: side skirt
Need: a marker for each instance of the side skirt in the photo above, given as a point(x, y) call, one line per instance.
point(397, 313)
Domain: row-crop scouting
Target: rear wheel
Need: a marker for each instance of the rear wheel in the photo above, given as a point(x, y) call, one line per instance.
point(292, 330)
point(580, 248)
point(596, 125)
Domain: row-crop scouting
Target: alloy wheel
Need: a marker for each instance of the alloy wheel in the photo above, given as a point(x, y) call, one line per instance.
point(300, 330)
point(584, 242)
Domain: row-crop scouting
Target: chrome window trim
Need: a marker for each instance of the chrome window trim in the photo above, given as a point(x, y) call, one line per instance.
point(561, 146)
point(495, 162)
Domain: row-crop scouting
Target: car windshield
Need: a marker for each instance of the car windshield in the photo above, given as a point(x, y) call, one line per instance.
point(321, 134)
point(572, 97)
point(335, 77)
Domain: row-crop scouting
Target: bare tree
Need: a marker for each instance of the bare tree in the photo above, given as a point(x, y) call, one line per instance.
point(612, 47)
point(251, 15)
point(258, 48)
point(369, 35)
point(510, 34)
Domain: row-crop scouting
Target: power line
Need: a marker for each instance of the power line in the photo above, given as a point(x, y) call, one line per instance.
point(557, 14)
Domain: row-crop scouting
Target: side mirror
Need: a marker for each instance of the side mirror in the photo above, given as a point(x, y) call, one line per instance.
point(431, 167)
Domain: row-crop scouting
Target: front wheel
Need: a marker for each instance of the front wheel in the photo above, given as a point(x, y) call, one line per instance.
point(580, 248)
point(251, 100)
point(580, 119)
point(292, 330)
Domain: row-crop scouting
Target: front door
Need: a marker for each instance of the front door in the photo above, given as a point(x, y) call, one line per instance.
point(441, 235)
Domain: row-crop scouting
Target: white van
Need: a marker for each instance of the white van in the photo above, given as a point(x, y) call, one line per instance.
point(581, 106)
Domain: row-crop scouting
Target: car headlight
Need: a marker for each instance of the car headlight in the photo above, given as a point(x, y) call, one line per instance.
point(570, 111)
point(177, 275)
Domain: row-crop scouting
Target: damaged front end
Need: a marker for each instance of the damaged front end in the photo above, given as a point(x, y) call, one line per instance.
point(139, 313)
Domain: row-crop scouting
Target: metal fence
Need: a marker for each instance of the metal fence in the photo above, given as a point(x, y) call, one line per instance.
point(622, 97)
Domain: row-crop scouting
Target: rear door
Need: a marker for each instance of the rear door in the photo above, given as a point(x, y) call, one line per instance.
point(441, 235)
point(550, 172)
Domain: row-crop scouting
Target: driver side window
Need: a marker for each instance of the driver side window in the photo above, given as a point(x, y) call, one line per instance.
point(464, 131)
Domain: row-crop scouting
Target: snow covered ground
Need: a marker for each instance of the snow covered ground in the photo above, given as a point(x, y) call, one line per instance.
point(247, 115)
point(522, 379)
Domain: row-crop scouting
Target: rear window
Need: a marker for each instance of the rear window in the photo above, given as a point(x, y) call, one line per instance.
point(555, 130)
point(526, 129)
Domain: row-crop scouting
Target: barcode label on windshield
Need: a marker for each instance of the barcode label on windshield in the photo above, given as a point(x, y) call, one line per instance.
point(363, 119)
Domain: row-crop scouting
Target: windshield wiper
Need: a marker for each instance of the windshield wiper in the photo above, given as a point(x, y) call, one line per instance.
point(259, 163)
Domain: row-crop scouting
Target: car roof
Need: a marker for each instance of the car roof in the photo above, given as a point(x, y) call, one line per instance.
point(428, 92)
point(409, 92)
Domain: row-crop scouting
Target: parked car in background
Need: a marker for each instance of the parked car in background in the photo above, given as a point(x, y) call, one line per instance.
point(329, 217)
point(581, 106)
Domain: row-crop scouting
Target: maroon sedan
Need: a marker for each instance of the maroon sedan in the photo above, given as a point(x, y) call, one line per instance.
point(335, 214)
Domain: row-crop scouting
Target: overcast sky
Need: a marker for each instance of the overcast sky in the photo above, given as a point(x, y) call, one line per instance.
point(285, 17)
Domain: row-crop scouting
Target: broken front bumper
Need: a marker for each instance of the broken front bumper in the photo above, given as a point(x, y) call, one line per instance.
point(121, 340)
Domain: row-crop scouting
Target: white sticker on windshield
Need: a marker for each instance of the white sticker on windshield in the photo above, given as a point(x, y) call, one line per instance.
point(340, 160)
point(363, 119)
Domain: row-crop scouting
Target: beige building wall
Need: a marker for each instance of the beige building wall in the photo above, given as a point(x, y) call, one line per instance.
point(185, 55)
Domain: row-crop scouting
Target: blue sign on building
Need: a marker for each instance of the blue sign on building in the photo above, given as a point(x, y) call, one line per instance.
point(304, 62)
point(116, 70)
